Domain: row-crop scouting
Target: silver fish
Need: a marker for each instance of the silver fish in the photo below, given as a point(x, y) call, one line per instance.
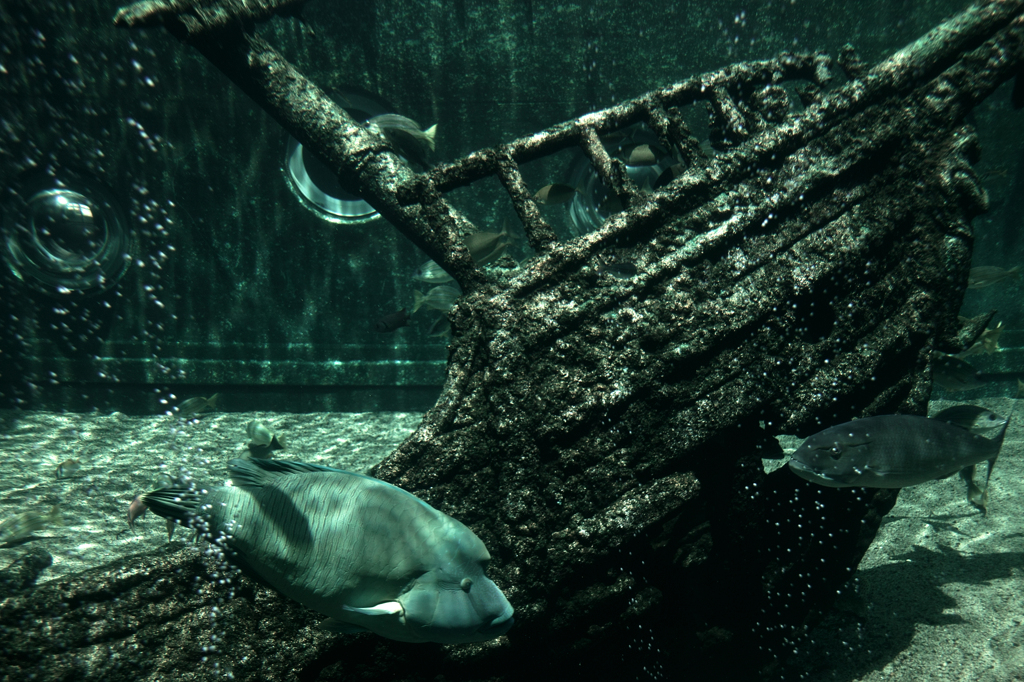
point(556, 193)
point(892, 451)
point(405, 136)
point(197, 405)
point(431, 273)
point(987, 343)
point(264, 441)
point(987, 275)
point(25, 524)
point(68, 468)
point(439, 298)
point(259, 433)
point(368, 555)
point(639, 155)
point(441, 327)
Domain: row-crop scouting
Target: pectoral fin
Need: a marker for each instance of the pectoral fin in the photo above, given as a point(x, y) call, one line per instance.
point(340, 627)
point(387, 608)
point(975, 495)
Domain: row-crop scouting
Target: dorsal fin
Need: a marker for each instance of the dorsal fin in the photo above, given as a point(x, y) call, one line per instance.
point(963, 416)
point(255, 473)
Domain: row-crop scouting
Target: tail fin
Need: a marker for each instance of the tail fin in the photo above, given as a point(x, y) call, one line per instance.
point(976, 496)
point(180, 504)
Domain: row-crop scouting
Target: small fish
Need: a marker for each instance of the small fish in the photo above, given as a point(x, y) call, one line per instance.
point(987, 275)
point(197, 405)
point(638, 155)
point(23, 525)
point(987, 343)
point(892, 451)
point(431, 273)
point(69, 468)
point(442, 327)
point(439, 298)
point(556, 193)
point(405, 136)
point(954, 374)
point(487, 247)
point(264, 441)
point(392, 321)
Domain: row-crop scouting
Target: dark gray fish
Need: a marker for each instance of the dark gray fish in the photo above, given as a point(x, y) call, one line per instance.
point(365, 553)
point(556, 193)
point(978, 420)
point(405, 136)
point(987, 275)
point(891, 451)
point(954, 374)
point(196, 405)
point(392, 321)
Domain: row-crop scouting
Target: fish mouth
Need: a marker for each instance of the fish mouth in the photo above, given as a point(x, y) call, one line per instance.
point(807, 472)
point(498, 626)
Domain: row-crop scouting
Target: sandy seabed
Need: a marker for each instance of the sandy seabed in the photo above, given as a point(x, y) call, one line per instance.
point(940, 593)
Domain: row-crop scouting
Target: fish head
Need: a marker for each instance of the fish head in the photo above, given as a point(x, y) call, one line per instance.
point(838, 457)
point(454, 601)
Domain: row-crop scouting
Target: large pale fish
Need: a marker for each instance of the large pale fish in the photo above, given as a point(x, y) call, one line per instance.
point(361, 551)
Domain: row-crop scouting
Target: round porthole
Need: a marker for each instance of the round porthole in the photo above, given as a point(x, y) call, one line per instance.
point(69, 237)
point(315, 185)
point(645, 159)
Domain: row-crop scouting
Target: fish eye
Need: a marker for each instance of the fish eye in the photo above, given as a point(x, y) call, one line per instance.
point(466, 584)
point(835, 452)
